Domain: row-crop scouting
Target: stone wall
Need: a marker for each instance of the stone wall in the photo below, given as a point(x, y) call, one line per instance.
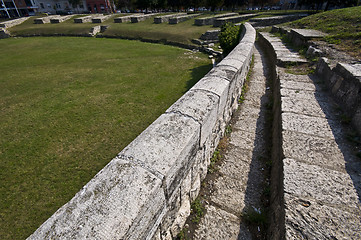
point(344, 82)
point(146, 190)
point(14, 22)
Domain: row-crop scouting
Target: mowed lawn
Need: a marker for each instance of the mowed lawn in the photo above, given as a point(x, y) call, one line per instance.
point(68, 106)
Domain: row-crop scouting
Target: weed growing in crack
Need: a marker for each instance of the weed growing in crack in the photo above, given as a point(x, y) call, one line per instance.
point(197, 210)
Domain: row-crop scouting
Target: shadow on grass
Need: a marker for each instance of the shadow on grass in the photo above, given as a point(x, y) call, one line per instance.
point(197, 74)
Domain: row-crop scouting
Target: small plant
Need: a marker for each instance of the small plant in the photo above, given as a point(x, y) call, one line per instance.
point(215, 158)
point(197, 210)
point(182, 235)
point(229, 37)
point(228, 130)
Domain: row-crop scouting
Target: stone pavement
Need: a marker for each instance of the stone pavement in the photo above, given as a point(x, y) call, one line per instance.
point(316, 187)
point(239, 185)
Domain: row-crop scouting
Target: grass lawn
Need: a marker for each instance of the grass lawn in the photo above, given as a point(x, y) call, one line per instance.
point(68, 106)
point(342, 25)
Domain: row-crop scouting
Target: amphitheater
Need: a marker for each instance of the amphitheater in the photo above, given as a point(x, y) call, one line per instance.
point(289, 119)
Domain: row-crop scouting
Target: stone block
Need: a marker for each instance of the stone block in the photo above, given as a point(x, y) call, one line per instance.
point(218, 86)
point(318, 151)
point(324, 185)
point(165, 18)
point(167, 148)
point(307, 219)
point(202, 106)
point(219, 224)
point(315, 126)
point(106, 208)
point(178, 19)
point(310, 107)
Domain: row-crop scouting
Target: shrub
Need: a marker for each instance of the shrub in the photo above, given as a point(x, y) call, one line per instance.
point(229, 37)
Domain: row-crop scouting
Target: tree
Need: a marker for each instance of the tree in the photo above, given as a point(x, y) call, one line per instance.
point(213, 4)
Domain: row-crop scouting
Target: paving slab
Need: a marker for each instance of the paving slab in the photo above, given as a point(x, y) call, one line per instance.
point(308, 219)
point(224, 225)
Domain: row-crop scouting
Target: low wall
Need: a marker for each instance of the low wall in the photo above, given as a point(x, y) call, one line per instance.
point(12, 23)
point(146, 190)
point(344, 82)
point(176, 20)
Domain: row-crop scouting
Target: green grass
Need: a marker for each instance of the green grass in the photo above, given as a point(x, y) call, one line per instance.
point(68, 27)
point(342, 25)
point(68, 106)
point(182, 32)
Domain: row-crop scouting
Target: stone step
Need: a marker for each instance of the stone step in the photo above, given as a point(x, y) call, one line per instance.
point(318, 196)
point(283, 55)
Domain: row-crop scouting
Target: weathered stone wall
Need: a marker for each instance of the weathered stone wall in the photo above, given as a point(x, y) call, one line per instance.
point(344, 82)
point(234, 19)
point(165, 18)
point(146, 190)
point(183, 18)
point(12, 23)
point(210, 20)
point(269, 21)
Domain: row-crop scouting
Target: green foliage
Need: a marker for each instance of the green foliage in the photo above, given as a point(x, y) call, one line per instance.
point(215, 158)
point(229, 37)
point(197, 210)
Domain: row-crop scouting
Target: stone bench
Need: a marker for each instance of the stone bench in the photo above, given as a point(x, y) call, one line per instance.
point(140, 18)
point(126, 18)
point(44, 20)
point(183, 18)
point(269, 21)
point(86, 19)
point(146, 190)
point(14, 22)
point(60, 19)
point(101, 19)
point(235, 19)
point(165, 18)
point(210, 20)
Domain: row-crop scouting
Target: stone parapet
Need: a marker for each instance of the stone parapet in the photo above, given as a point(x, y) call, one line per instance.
point(146, 190)
point(165, 18)
point(182, 18)
point(210, 20)
point(269, 21)
point(234, 19)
